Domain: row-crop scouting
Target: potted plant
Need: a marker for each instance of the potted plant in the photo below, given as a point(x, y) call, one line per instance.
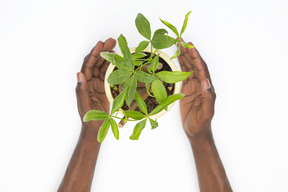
point(143, 82)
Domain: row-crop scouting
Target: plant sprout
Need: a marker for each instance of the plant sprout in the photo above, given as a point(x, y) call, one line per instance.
point(129, 72)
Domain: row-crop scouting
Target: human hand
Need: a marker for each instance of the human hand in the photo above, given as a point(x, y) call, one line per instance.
point(90, 88)
point(197, 107)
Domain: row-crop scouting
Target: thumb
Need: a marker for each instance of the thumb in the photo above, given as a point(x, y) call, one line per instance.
point(82, 94)
point(209, 97)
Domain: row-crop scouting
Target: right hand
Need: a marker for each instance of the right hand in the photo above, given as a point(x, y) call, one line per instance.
point(197, 107)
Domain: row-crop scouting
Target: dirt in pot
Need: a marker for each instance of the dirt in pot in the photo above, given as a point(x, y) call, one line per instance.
point(150, 101)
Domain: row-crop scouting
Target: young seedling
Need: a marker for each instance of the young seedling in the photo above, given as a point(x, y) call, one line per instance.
point(130, 71)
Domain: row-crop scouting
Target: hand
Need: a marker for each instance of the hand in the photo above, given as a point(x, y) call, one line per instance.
point(197, 107)
point(90, 88)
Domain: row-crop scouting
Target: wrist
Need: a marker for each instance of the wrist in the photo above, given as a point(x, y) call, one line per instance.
point(203, 139)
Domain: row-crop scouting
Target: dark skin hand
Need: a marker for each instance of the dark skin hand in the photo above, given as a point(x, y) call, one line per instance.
point(197, 110)
point(90, 95)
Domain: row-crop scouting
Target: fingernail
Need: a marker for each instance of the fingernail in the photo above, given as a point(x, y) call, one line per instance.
point(79, 77)
point(207, 84)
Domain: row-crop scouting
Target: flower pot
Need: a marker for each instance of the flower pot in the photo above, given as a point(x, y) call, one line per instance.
point(166, 58)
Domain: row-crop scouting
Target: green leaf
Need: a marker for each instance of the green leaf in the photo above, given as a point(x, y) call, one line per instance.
point(160, 31)
point(172, 27)
point(137, 63)
point(119, 76)
point(185, 23)
point(166, 102)
point(141, 103)
point(161, 41)
point(120, 63)
point(154, 64)
point(126, 52)
point(94, 115)
point(138, 56)
point(103, 130)
point(108, 56)
point(143, 26)
point(142, 45)
point(130, 85)
point(118, 101)
point(177, 53)
point(173, 76)
point(187, 45)
point(114, 127)
point(147, 85)
point(134, 115)
point(144, 77)
point(158, 90)
point(154, 123)
point(137, 130)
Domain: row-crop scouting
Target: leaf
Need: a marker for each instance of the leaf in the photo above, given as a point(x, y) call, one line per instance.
point(141, 103)
point(119, 76)
point(138, 56)
point(172, 27)
point(137, 130)
point(103, 130)
point(187, 45)
point(160, 31)
point(126, 52)
point(147, 85)
point(144, 77)
point(137, 63)
point(142, 46)
point(185, 22)
point(154, 123)
point(108, 56)
point(135, 115)
point(158, 90)
point(166, 102)
point(173, 76)
point(154, 64)
point(118, 101)
point(143, 26)
point(130, 85)
point(114, 127)
point(94, 115)
point(177, 53)
point(161, 41)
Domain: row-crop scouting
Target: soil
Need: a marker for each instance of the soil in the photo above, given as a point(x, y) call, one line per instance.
point(150, 101)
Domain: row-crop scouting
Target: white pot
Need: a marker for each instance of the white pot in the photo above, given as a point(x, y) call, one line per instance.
point(164, 56)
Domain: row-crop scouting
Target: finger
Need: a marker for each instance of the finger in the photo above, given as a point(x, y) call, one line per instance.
point(91, 60)
point(82, 94)
point(197, 62)
point(182, 64)
point(209, 97)
point(109, 44)
point(184, 50)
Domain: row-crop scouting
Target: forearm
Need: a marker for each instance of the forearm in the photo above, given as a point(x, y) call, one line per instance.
point(80, 171)
point(210, 170)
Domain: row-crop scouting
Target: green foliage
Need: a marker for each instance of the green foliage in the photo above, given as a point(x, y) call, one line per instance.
point(143, 26)
point(130, 85)
point(134, 115)
point(144, 77)
point(142, 45)
point(166, 102)
point(103, 130)
point(141, 103)
point(130, 70)
point(119, 76)
point(118, 101)
point(154, 123)
point(158, 90)
point(173, 76)
point(154, 64)
point(95, 115)
point(114, 127)
point(137, 130)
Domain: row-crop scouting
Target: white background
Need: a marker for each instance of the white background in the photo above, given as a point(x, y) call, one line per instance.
point(42, 46)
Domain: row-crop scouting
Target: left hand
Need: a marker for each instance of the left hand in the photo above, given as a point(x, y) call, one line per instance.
point(90, 88)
